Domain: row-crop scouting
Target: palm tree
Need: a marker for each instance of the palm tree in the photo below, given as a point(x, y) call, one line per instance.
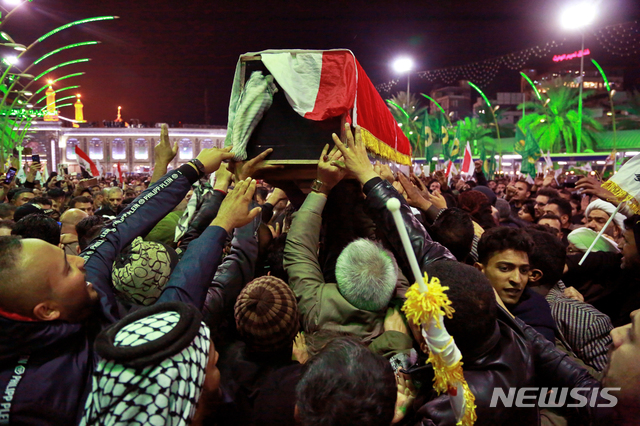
point(555, 121)
point(473, 131)
point(409, 118)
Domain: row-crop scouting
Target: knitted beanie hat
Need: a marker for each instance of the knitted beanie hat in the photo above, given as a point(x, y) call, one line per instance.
point(472, 201)
point(266, 314)
point(142, 270)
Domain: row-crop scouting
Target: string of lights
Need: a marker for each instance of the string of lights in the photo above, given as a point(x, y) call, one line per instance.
point(620, 39)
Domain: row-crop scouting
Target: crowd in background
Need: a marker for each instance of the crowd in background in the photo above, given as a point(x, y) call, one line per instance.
point(211, 298)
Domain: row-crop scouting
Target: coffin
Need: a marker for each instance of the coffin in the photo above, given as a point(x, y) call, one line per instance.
point(315, 93)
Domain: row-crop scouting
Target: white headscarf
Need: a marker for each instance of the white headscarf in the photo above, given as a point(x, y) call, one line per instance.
point(608, 208)
point(163, 393)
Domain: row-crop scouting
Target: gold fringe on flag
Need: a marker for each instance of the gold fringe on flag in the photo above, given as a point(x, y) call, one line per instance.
point(622, 195)
point(380, 148)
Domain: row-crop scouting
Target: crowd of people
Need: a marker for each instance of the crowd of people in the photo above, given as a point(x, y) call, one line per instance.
point(202, 296)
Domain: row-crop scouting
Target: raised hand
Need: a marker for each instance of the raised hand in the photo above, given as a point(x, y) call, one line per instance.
point(384, 171)
point(164, 153)
point(355, 155)
point(329, 172)
point(223, 178)
point(211, 158)
point(413, 195)
point(234, 210)
point(245, 169)
point(437, 199)
point(592, 186)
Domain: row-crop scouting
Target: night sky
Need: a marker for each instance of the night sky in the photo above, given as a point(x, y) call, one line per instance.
point(158, 59)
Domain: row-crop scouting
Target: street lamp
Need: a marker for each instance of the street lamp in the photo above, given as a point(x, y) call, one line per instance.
point(402, 65)
point(576, 17)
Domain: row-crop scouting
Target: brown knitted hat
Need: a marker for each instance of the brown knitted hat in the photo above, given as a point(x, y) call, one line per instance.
point(266, 314)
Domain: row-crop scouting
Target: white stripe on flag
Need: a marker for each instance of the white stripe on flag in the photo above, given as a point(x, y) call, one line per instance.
point(298, 75)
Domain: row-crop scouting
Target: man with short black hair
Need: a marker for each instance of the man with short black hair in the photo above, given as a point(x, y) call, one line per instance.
point(543, 195)
point(21, 196)
point(88, 229)
point(345, 383)
point(517, 194)
point(503, 257)
point(82, 203)
point(552, 221)
point(561, 208)
point(38, 226)
point(50, 313)
point(43, 202)
point(59, 198)
point(6, 211)
point(454, 229)
point(580, 325)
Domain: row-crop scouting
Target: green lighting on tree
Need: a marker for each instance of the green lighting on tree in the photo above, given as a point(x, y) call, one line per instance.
point(53, 52)
point(77, 61)
point(58, 91)
point(604, 76)
point(399, 107)
point(71, 24)
point(535, 89)
point(481, 93)
point(68, 76)
point(437, 104)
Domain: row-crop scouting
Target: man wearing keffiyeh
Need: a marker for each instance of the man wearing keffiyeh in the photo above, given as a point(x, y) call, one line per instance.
point(154, 366)
point(52, 306)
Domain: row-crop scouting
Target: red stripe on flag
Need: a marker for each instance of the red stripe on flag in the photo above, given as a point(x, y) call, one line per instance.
point(448, 168)
point(466, 162)
point(83, 155)
point(337, 90)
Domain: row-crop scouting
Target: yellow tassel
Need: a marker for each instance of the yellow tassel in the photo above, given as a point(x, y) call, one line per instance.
point(375, 145)
point(421, 307)
point(622, 195)
point(470, 416)
point(449, 375)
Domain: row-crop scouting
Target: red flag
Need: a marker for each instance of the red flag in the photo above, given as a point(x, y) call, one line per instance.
point(467, 162)
point(120, 173)
point(448, 171)
point(85, 162)
point(324, 84)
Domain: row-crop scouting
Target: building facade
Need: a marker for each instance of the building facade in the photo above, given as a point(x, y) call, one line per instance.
point(133, 148)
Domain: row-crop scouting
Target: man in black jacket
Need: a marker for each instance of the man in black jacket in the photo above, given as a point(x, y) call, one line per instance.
point(52, 305)
point(514, 354)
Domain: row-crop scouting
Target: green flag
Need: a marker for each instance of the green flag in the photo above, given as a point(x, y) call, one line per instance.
point(455, 146)
point(427, 136)
point(444, 135)
point(528, 148)
point(488, 161)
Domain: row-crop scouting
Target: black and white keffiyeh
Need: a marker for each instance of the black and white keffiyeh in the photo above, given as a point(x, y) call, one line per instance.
point(152, 369)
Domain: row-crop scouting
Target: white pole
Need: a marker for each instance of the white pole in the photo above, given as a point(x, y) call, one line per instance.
point(393, 205)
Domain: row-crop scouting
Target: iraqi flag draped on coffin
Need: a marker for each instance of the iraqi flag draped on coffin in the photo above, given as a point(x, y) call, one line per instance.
point(319, 84)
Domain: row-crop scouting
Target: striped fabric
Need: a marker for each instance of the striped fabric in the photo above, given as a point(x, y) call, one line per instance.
point(582, 326)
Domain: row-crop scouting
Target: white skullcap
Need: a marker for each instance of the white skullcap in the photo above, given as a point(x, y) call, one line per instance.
point(609, 209)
